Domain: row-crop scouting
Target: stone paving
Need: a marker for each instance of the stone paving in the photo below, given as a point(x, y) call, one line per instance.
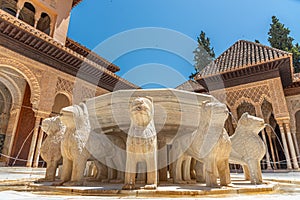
point(17, 183)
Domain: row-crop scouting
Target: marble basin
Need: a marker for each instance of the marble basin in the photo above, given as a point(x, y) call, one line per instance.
point(176, 111)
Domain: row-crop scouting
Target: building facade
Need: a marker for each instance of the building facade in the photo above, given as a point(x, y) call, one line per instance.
point(41, 71)
point(250, 77)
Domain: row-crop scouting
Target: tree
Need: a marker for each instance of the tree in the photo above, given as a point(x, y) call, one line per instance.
point(296, 57)
point(279, 38)
point(279, 35)
point(203, 54)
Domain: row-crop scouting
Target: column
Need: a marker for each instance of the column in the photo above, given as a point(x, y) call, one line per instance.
point(20, 5)
point(37, 17)
point(263, 134)
point(274, 139)
point(291, 145)
point(33, 141)
point(285, 146)
point(10, 132)
point(296, 145)
point(271, 146)
point(267, 151)
point(38, 149)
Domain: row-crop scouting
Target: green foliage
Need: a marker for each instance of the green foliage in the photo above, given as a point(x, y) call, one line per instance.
point(296, 57)
point(279, 38)
point(203, 54)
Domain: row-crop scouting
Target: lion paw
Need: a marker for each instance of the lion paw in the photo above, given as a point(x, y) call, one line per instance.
point(60, 183)
point(41, 180)
point(180, 182)
point(150, 187)
point(128, 187)
point(73, 183)
point(191, 181)
point(105, 180)
point(116, 181)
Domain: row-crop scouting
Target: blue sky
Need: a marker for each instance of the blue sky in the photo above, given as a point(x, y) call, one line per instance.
point(163, 50)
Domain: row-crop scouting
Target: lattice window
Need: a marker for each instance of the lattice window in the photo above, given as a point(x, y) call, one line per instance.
point(253, 93)
point(63, 85)
point(295, 104)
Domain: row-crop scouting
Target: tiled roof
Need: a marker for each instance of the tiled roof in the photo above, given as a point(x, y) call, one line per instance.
point(191, 86)
point(241, 55)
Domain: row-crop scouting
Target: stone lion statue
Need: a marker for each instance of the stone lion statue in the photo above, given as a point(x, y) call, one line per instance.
point(73, 150)
point(141, 145)
point(209, 144)
point(50, 149)
point(109, 150)
point(247, 147)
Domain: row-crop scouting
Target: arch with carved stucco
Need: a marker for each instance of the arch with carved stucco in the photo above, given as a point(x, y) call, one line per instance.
point(61, 100)
point(13, 89)
point(28, 75)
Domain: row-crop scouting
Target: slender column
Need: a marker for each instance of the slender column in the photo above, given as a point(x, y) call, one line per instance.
point(10, 132)
point(291, 145)
point(38, 149)
point(296, 145)
point(271, 147)
point(276, 153)
point(33, 141)
point(285, 146)
point(20, 6)
point(37, 17)
point(51, 28)
point(267, 151)
point(263, 134)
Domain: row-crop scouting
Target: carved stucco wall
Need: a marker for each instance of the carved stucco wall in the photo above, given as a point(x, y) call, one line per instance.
point(256, 93)
point(293, 103)
point(45, 82)
point(28, 75)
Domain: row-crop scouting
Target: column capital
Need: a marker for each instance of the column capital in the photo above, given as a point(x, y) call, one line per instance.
point(20, 4)
point(287, 125)
point(42, 114)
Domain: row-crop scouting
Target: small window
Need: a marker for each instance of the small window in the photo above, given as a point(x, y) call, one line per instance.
point(44, 23)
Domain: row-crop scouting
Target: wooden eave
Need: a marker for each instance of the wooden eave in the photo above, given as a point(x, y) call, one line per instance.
point(26, 40)
point(252, 73)
point(87, 53)
point(293, 89)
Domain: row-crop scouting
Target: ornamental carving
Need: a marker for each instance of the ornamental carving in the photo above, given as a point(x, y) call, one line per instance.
point(279, 102)
point(64, 86)
point(28, 75)
point(78, 91)
point(256, 94)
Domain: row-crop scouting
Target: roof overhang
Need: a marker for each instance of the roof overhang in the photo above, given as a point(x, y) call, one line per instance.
point(22, 38)
point(276, 68)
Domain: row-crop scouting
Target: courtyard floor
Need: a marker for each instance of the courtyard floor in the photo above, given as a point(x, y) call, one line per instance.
point(18, 183)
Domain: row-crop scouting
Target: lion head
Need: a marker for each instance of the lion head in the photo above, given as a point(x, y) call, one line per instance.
point(142, 111)
point(250, 122)
point(75, 116)
point(52, 125)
